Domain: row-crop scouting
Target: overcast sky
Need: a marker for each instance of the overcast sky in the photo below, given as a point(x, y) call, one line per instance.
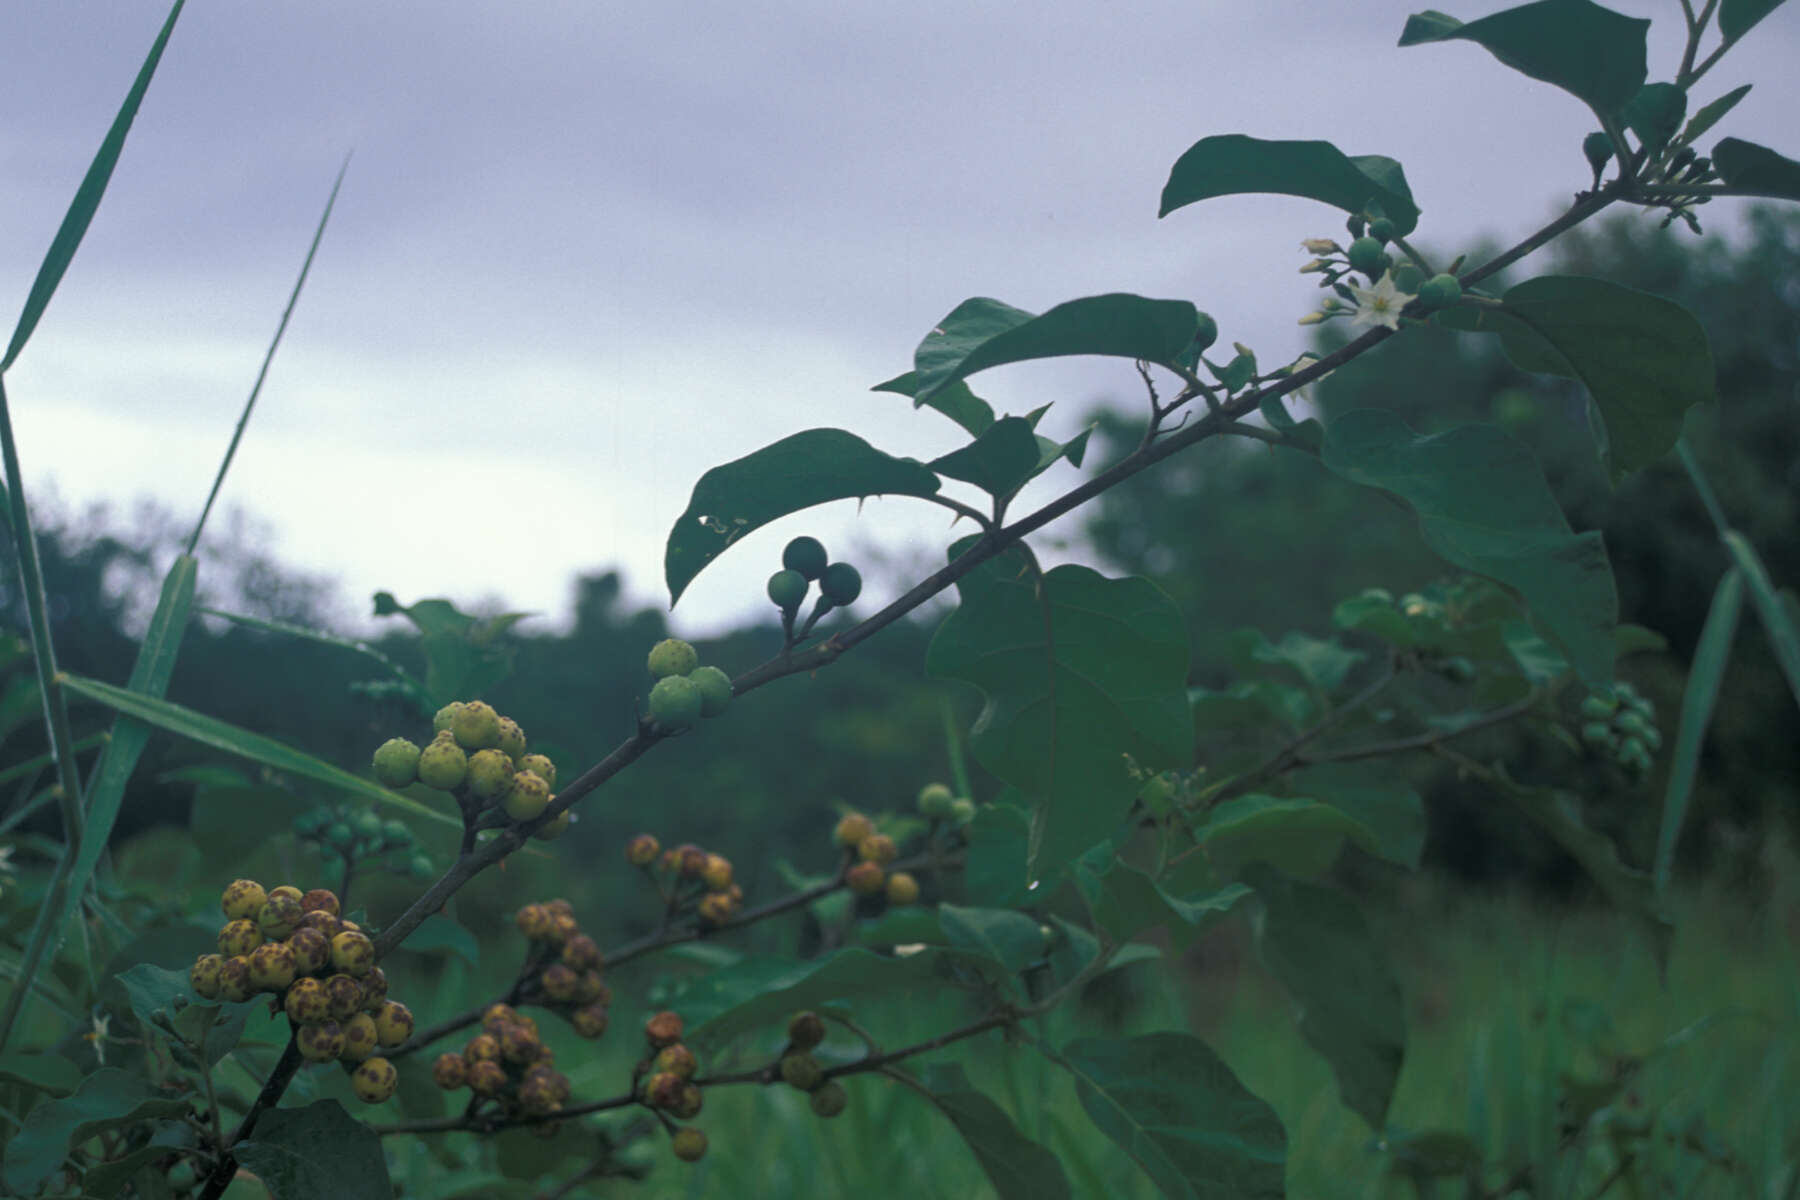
point(584, 252)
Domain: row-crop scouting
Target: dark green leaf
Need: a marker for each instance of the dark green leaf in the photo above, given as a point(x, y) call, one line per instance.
point(998, 461)
point(1591, 52)
point(956, 402)
point(1319, 663)
point(155, 992)
point(1391, 812)
point(1483, 505)
point(983, 333)
point(1125, 901)
point(1050, 450)
point(1009, 937)
point(1018, 1167)
point(1375, 613)
point(109, 1178)
point(1078, 670)
point(41, 1072)
point(1744, 164)
point(999, 840)
point(1247, 705)
point(1710, 114)
point(1737, 16)
point(1777, 618)
point(105, 1100)
point(319, 1150)
point(1655, 114)
point(1432, 1154)
point(87, 197)
point(1644, 359)
point(1299, 835)
point(1232, 164)
point(1536, 658)
point(795, 473)
point(1170, 1103)
point(1316, 943)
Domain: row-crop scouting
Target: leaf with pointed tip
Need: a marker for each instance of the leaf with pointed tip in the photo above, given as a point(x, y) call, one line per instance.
point(1391, 812)
point(1774, 609)
point(1737, 16)
point(1591, 52)
point(40, 1071)
point(982, 333)
point(1315, 941)
point(795, 473)
point(1007, 936)
point(1710, 114)
point(1710, 656)
point(1297, 834)
point(997, 871)
point(1078, 670)
point(1019, 1168)
point(319, 1150)
point(1483, 505)
point(1233, 164)
point(999, 461)
point(1125, 901)
point(1744, 164)
point(1179, 1112)
point(105, 1100)
point(955, 401)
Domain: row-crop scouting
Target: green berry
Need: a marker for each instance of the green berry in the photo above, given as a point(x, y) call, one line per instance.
point(841, 584)
point(715, 689)
point(1439, 291)
point(830, 1099)
point(801, 1070)
point(806, 556)
point(1597, 147)
point(445, 715)
point(1596, 733)
point(672, 656)
point(935, 800)
point(397, 762)
point(541, 766)
point(527, 797)
point(1206, 332)
point(395, 834)
point(1599, 708)
point(1408, 279)
point(676, 703)
point(689, 1144)
point(367, 825)
point(490, 774)
point(421, 867)
point(1366, 255)
point(476, 726)
point(787, 588)
point(806, 1030)
point(512, 739)
point(962, 810)
point(442, 765)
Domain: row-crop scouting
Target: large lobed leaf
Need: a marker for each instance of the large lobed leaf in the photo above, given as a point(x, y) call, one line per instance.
point(795, 473)
point(1592, 52)
point(1233, 163)
point(1483, 505)
point(1078, 671)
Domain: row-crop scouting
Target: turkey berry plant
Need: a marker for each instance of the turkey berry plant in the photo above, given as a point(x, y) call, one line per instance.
point(1127, 801)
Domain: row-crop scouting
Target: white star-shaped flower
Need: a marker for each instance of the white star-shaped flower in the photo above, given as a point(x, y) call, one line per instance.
point(98, 1035)
point(1379, 305)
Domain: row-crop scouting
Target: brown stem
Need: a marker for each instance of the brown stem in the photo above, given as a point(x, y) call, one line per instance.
point(267, 1098)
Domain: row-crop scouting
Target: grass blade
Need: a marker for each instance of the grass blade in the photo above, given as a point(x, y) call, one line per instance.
point(1710, 657)
point(87, 198)
point(220, 735)
point(269, 357)
point(1777, 621)
point(314, 635)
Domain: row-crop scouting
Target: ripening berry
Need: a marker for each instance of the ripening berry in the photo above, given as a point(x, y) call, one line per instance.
point(853, 828)
point(512, 739)
point(592, 989)
point(690, 860)
point(805, 555)
point(716, 908)
point(239, 937)
point(445, 716)
point(352, 953)
point(286, 889)
point(483, 1047)
point(841, 584)
point(394, 1023)
point(344, 995)
point(490, 774)
point(806, 1030)
point(689, 1144)
point(555, 827)
point(663, 1029)
point(935, 800)
point(687, 1106)
point(312, 951)
point(527, 797)
point(234, 980)
point(588, 1022)
point(450, 1072)
point(829, 1099)
point(541, 766)
point(562, 928)
point(498, 1014)
point(203, 976)
point(560, 983)
point(320, 1043)
point(877, 848)
point(677, 1060)
point(560, 907)
point(487, 1078)
point(787, 590)
point(396, 762)
point(902, 889)
point(537, 1097)
point(555, 1080)
point(715, 689)
point(534, 921)
point(476, 726)
point(672, 656)
point(716, 873)
point(675, 704)
point(866, 878)
point(272, 967)
point(443, 765)
point(582, 953)
point(375, 1080)
point(321, 921)
point(320, 900)
point(306, 1002)
point(242, 899)
point(374, 988)
point(360, 1038)
point(279, 916)
point(518, 1045)
point(663, 1090)
point(801, 1070)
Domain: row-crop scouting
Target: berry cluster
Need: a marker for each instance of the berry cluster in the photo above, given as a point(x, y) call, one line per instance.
point(801, 1070)
point(1624, 725)
point(321, 970)
point(480, 757)
point(689, 874)
point(507, 1062)
point(684, 691)
point(357, 835)
point(665, 1082)
point(870, 853)
point(803, 563)
point(563, 970)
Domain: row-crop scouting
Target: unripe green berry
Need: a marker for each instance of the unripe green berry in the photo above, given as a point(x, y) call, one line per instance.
point(420, 867)
point(675, 704)
point(689, 1144)
point(352, 953)
point(375, 1080)
point(1597, 148)
point(841, 584)
point(1599, 708)
point(1595, 733)
point(242, 899)
point(1207, 331)
point(203, 976)
point(852, 829)
point(541, 766)
point(442, 765)
point(806, 1030)
point(877, 848)
point(935, 800)
point(802, 1070)
point(555, 827)
point(672, 656)
point(340, 835)
point(1439, 291)
point(1408, 279)
point(715, 689)
point(805, 556)
point(962, 810)
point(306, 1002)
point(397, 762)
point(829, 1099)
point(320, 1043)
point(512, 739)
point(1366, 255)
point(395, 835)
point(527, 796)
point(1382, 230)
point(490, 774)
point(787, 589)
point(476, 726)
point(445, 716)
point(360, 1038)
